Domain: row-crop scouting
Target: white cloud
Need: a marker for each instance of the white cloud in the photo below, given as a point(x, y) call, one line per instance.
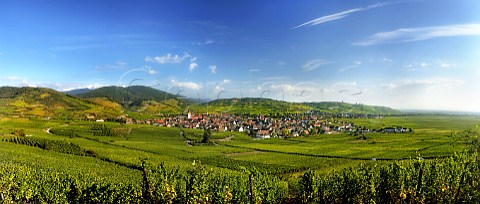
point(421, 33)
point(282, 63)
point(152, 71)
point(213, 69)
point(15, 81)
point(339, 15)
point(447, 65)
point(206, 42)
point(410, 67)
point(66, 87)
point(303, 91)
point(313, 64)
point(341, 86)
point(219, 85)
point(387, 59)
point(60, 86)
point(188, 85)
point(292, 89)
point(424, 64)
point(168, 59)
point(438, 83)
point(192, 66)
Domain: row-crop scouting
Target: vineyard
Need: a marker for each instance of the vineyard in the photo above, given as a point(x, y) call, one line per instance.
point(451, 180)
point(84, 162)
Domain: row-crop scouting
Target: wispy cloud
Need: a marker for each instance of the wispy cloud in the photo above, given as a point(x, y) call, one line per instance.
point(313, 64)
point(116, 65)
point(428, 65)
point(275, 78)
point(355, 64)
point(339, 15)
point(213, 69)
point(420, 33)
point(168, 58)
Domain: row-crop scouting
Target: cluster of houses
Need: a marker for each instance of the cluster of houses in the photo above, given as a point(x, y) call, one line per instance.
point(263, 127)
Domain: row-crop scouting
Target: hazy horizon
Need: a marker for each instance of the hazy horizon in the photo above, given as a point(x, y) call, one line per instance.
point(410, 54)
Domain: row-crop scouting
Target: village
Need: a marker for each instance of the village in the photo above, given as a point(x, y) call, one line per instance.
point(264, 127)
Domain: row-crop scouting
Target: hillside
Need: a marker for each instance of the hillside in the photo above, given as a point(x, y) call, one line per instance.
point(269, 106)
point(47, 103)
point(249, 105)
point(139, 101)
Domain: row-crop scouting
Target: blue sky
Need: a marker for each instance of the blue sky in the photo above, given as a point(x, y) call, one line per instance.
point(415, 54)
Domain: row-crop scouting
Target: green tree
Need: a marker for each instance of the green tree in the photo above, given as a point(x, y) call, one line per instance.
point(206, 135)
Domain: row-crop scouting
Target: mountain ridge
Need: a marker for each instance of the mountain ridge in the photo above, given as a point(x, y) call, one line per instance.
point(147, 102)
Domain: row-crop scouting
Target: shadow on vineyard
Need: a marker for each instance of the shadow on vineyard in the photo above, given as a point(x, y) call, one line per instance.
point(53, 145)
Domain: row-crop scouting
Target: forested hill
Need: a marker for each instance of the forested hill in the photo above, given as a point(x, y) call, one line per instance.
point(131, 96)
point(77, 91)
point(46, 103)
point(341, 107)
